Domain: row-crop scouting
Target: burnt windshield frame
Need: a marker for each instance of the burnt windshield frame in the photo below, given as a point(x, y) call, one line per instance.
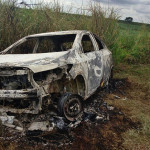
point(57, 42)
point(19, 43)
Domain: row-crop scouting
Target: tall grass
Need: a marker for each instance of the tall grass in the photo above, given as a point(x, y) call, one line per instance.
point(18, 22)
point(126, 45)
point(133, 46)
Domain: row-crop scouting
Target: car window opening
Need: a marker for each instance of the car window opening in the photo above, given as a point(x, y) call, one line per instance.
point(100, 45)
point(46, 44)
point(87, 44)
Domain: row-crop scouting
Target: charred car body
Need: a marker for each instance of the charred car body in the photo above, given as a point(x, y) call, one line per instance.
point(58, 68)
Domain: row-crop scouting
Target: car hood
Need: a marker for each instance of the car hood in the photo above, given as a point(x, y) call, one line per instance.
point(35, 62)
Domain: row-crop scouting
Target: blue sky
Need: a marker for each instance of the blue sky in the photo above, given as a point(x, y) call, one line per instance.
point(138, 9)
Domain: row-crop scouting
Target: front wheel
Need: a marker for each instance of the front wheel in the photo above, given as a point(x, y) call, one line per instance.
point(70, 106)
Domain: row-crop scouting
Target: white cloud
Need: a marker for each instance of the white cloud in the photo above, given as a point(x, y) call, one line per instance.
point(138, 9)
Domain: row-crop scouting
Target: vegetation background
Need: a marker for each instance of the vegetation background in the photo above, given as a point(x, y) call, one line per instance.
point(129, 42)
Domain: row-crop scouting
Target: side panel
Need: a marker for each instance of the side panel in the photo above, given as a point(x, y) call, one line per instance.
point(95, 70)
point(95, 66)
point(108, 64)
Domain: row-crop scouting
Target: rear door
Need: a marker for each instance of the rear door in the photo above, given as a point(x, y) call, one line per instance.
point(107, 60)
point(94, 61)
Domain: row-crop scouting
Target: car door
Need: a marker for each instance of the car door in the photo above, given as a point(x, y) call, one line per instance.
point(94, 61)
point(107, 60)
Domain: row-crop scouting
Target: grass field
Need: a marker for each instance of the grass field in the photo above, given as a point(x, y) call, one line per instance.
point(133, 44)
point(137, 104)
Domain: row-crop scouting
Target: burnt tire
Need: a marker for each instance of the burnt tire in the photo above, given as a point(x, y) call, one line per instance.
point(70, 106)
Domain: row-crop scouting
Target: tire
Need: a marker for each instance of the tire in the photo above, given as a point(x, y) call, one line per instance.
point(70, 106)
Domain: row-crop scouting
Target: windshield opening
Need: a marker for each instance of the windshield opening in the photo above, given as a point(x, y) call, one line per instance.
point(44, 44)
point(24, 48)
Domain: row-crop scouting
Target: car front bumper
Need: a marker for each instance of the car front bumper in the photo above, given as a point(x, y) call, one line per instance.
point(18, 94)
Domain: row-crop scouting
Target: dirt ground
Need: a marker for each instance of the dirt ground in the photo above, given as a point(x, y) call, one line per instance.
point(110, 129)
point(89, 134)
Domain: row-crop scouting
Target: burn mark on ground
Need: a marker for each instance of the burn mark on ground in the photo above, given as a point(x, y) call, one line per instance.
point(100, 126)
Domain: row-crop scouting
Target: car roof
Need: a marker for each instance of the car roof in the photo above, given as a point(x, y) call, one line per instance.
point(58, 33)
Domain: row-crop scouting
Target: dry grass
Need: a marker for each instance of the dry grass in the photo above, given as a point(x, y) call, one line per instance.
point(16, 22)
point(137, 104)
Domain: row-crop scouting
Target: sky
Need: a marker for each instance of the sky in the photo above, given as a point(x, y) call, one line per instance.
point(139, 10)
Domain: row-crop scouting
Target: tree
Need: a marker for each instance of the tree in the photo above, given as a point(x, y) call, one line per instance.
point(129, 19)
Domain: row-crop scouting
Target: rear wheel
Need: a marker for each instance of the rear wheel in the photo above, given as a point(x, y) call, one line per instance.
point(70, 106)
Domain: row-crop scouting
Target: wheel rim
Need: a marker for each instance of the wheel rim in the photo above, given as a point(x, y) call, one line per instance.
point(72, 108)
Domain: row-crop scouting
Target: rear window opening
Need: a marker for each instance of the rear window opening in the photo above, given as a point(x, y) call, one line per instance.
point(46, 44)
point(87, 44)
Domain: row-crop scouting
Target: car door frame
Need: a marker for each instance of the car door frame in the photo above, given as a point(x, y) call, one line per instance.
point(107, 62)
point(97, 53)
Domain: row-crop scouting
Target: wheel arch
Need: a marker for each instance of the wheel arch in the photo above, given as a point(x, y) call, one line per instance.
point(81, 85)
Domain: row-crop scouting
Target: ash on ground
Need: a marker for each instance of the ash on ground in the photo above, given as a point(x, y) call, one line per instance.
point(50, 130)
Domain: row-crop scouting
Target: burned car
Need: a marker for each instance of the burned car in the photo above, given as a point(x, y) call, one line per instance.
point(57, 68)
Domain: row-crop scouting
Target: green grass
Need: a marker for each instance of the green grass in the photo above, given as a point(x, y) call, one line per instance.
point(134, 26)
point(133, 44)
